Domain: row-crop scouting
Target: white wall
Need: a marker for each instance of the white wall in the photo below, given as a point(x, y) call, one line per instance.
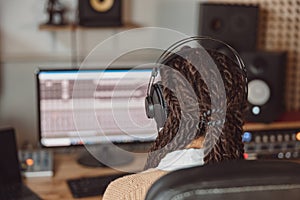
point(23, 47)
point(18, 97)
point(21, 38)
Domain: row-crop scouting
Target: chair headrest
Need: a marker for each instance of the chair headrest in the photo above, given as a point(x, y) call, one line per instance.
point(230, 180)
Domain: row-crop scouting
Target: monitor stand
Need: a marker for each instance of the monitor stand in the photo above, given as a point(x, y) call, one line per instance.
point(104, 156)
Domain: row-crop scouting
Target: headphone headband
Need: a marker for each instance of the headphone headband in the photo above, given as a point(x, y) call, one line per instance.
point(169, 51)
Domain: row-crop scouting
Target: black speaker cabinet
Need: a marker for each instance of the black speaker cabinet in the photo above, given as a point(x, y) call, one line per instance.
point(100, 13)
point(266, 80)
point(234, 24)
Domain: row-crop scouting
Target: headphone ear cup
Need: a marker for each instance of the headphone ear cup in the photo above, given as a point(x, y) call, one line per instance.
point(149, 107)
point(159, 105)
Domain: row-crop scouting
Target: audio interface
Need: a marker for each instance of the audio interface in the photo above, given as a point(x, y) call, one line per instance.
point(272, 144)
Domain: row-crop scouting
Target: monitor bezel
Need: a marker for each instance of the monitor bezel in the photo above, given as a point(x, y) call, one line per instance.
point(40, 70)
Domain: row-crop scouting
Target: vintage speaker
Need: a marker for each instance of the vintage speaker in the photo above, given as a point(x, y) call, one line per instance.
point(266, 80)
point(234, 24)
point(101, 13)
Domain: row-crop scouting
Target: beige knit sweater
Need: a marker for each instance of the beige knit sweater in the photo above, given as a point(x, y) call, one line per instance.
point(132, 187)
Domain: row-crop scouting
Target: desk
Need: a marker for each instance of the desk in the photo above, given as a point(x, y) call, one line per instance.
point(66, 167)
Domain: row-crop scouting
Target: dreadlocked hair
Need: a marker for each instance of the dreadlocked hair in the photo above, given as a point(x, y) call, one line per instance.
point(190, 87)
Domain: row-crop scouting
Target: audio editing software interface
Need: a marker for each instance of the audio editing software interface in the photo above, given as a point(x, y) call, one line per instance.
point(92, 106)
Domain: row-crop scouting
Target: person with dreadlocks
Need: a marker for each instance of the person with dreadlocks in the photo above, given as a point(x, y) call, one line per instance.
point(203, 125)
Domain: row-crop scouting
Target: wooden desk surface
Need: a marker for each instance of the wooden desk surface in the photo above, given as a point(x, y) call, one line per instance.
point(66, 167)
point(277, 125)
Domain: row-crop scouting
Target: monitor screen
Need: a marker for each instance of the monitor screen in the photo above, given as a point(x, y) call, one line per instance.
point(78, 107)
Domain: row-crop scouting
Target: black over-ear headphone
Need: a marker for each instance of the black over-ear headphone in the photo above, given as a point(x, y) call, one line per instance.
point(155, 104)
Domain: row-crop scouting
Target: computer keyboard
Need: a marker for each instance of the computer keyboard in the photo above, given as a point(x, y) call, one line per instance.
point(36, 163)
point(91, 186)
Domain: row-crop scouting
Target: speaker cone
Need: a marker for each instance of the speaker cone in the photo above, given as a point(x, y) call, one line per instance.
point(258, 92)
point(101, 5)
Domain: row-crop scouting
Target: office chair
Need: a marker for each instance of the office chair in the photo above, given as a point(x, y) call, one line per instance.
point(232, 180)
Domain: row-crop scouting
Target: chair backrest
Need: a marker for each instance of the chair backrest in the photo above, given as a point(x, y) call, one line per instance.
point(240, 180)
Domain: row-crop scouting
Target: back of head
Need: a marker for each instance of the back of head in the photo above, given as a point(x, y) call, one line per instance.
point(191, 86)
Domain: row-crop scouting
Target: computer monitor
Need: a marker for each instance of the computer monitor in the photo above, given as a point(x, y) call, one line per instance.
point(93, 106)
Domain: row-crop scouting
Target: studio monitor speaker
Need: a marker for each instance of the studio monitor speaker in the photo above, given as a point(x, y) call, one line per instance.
point(266, 80)
point(234, 24)
point(101, 13)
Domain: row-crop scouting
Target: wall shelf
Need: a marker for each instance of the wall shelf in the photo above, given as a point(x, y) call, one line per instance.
point(45, 27)
point(70, 27)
